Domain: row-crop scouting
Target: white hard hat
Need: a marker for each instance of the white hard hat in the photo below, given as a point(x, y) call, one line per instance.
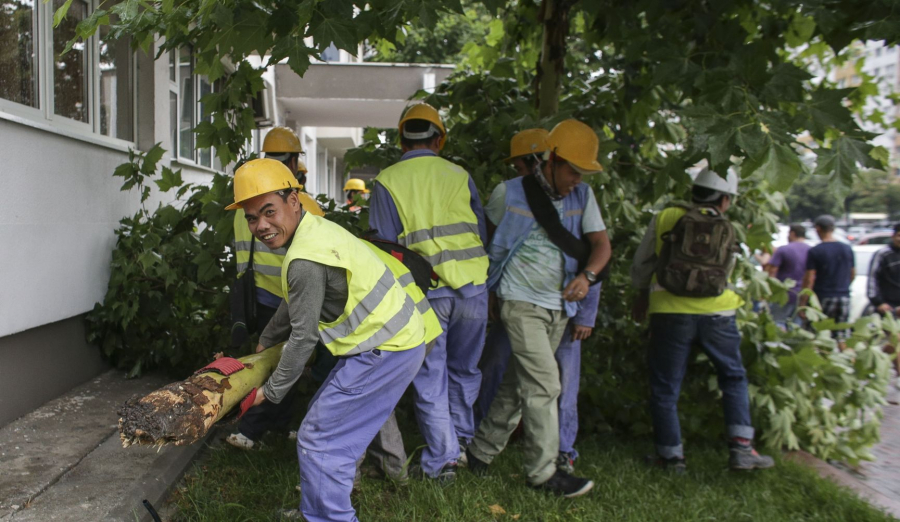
point(711, 180)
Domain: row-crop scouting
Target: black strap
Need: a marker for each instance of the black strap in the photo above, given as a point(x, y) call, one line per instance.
point(252, 247)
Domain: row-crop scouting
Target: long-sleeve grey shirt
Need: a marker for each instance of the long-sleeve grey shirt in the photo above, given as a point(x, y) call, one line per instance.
point(315, 292)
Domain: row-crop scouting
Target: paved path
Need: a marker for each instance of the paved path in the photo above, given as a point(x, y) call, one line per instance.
point(64, 461)
point(878, 481)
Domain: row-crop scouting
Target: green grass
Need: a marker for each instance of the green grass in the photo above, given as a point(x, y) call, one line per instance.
point(234, 485)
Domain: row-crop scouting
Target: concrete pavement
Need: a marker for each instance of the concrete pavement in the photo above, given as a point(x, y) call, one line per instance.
point(64, 461)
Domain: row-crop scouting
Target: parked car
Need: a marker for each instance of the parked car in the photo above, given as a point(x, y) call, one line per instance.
point(875, 238)
point(859, 301)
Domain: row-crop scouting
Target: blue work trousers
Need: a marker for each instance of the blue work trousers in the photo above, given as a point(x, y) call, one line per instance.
point(343, 418)
point(671, 338)
point(433, 412)
point(494, 361)
point(464, 322)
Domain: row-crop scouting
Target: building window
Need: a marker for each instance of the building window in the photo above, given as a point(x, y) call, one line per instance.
point(18, 52)
point(185, 109)
point(116, 63)
point(71, 92)
point(92, 83)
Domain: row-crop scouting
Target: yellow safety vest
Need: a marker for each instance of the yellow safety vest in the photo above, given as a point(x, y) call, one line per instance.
point(266, 263)
point(432, 325)
point(664, 302)
point(378, 313)
point(433, 201)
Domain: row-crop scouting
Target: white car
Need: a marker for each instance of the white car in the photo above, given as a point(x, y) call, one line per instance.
point(862, 255)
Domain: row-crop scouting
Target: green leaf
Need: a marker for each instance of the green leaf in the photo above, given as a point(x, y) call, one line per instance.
point(60, 13)
point(169, 179)
point(780, 166)
point(338, 31)
point(151, 158)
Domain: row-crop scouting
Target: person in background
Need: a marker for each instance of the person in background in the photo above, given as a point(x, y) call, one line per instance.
point(829, 271)
point(883, 289)
point(353, 188)
point(696, 309)
point(789, 262)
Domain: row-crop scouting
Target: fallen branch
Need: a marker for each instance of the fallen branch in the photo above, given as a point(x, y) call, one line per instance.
point(181, 413)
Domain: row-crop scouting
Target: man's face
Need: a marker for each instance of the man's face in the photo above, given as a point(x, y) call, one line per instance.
point(521, 166)
point(896, 239)
point(271, 219)
point(566, 177)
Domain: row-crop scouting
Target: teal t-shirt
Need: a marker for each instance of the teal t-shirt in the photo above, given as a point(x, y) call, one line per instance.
point(536, 272)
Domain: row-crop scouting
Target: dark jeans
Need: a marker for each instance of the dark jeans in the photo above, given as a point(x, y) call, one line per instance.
point(671, 338)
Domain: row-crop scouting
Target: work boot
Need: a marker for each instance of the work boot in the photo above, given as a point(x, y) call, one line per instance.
point(462, 461)
point(239, 440)
point(742, 456)
point(565, 462)
point(676, 465)
point(445, 477)
point(565, 485)
point(476, 465)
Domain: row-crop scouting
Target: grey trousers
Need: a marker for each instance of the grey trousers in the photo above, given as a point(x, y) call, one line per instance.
point(387, 450)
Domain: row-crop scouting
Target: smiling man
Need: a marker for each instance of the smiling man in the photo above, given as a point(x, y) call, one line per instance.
point(336, 289)
point(549, 246)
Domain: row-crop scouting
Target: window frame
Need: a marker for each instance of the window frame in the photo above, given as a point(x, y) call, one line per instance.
point(44, 115)
point(174, 85)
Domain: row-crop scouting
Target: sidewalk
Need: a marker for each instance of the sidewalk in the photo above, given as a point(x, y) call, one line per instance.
point(878, 482)
point(64, 461)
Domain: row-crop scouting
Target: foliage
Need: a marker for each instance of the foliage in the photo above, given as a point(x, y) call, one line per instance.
point(875, 191)
point(166, 304)
point(807, 199)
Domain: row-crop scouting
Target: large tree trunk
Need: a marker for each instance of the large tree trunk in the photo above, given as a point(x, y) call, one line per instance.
point(181, 413)
point(554, 15)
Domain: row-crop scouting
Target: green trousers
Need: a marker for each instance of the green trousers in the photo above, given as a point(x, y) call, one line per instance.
point(529, 391)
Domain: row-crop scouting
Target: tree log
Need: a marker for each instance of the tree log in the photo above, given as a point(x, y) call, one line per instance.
point(181, 413)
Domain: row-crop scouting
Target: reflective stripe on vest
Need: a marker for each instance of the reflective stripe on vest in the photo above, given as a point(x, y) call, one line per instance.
point(266, 263)
point(378, 312)
point(433, 202)
point(407, 281)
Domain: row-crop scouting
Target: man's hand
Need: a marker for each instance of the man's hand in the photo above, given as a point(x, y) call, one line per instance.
point(640, 306)
point(577, 289)
point(493, 307)
point(259, 399)
point(885, 308)
point(260, 348)
point(580, 333)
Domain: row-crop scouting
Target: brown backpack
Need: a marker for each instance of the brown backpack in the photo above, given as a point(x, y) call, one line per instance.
point(697, 255)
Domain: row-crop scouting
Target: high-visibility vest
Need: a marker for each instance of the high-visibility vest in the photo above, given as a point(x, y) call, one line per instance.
point(266, 263)
point(432, 325)
point(664, 302)
point(433, 201)
point(378, 314)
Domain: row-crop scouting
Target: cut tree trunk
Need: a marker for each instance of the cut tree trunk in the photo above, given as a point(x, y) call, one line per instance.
point(181, 413)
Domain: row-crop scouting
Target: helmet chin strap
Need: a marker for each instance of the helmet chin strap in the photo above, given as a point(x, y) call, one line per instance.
point(553, 172)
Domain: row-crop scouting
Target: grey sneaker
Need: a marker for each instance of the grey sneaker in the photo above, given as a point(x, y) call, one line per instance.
point(565, 462)
point(744, 457)
point(565, 485)
point(290, 514)
point(239, 440)
point(445, 477)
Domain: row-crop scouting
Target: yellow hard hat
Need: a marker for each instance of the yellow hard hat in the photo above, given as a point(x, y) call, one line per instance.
point(260, 176)
point(356, 184)
point(281, 140)
point(528, 141)
point(301, 167)
point(576, 143)
point(423, 111)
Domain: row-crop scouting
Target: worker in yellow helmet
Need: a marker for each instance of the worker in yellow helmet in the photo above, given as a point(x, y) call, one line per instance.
point(432, 207)
point(338, 290)
point(548, 249)
point(353, 188)
point(525, 149)
point(254, 257)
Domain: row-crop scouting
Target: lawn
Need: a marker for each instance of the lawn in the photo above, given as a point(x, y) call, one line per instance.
point(235, 485)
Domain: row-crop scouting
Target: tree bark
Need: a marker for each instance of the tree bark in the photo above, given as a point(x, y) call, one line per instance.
point(554, 15)
point(182, 413)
